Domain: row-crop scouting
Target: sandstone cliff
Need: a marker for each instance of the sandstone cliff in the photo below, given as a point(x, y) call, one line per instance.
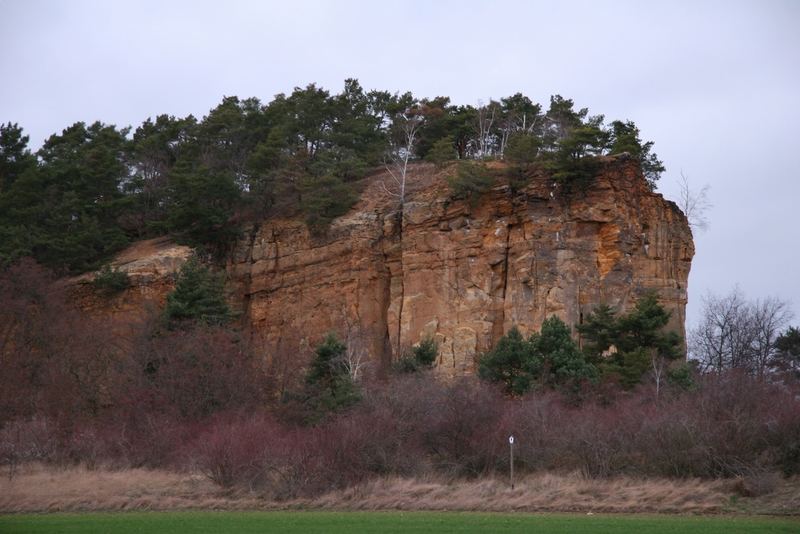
point(383, 277)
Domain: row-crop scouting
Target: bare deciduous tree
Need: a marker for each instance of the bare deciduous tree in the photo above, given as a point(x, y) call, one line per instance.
point(735, 333)
point(717, 338)
point(355, 359)
point(695, 204)
point(406, 126)
point(518, 115)
point(769, 317)
point(486, 117)
point(660, 365)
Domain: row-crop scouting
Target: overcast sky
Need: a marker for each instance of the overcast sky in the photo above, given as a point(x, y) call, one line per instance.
point(716, 85)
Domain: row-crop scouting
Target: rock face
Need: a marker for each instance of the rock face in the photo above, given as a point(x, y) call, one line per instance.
point(151, 266)
point(385, 277)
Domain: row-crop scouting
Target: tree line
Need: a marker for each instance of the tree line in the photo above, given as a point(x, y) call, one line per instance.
point(92, 188)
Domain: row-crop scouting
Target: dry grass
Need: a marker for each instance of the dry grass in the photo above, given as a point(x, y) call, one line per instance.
point(540, 492)
point(37, 488)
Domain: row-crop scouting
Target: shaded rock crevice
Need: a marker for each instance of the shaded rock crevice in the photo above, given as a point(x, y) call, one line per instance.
point(401, 282)
point(498, 326)
point(385, 297)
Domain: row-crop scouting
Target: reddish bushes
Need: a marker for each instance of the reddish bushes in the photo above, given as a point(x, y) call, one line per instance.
point(194, 373)
point(236, 450)
point(729, 426)
point(260, 454)
point(53, 361)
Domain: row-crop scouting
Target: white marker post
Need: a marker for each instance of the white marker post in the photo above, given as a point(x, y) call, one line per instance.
point(511, 447)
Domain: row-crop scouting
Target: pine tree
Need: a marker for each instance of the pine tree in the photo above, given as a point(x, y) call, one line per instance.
point(442, 152)
point(15, 157)
point(548, 359)
point(510, 362)
point(629, 346)
point(198, 296)
point(560, 361)
point(329, 385)
point(201, 205)
point(64, 211)
point(624, 137)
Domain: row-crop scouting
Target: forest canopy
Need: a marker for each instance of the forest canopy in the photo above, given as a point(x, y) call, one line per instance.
point(93, 188)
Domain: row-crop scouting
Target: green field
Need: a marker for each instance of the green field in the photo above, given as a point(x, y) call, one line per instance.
point(382, 522)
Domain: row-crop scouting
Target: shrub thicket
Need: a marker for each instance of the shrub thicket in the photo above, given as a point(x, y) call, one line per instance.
point(728, 426)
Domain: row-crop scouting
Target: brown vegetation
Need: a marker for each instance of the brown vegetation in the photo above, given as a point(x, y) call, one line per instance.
point(416, 427)
point(39, 488)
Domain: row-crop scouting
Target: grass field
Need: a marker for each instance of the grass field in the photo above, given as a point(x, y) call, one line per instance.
point(383, 522)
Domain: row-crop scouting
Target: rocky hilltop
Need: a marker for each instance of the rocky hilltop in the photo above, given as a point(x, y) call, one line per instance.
point(384, 276)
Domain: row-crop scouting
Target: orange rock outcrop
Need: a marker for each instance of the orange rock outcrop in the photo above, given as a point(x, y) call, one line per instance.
point(384, 277)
